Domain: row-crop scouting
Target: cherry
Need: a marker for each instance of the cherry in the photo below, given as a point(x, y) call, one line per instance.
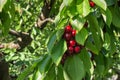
point(92, 4)
point(77, 49)
point(73, 33)
point(70, 49)
point(68, 28)
point(72, 42)
point(67, 36)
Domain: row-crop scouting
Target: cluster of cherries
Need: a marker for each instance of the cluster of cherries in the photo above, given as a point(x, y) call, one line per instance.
point(72, 46)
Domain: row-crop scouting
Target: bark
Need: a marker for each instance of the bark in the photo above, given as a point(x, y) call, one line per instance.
point(43, 17)
point(4, 71)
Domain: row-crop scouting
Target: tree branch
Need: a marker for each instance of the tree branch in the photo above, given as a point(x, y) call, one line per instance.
point(43, 17)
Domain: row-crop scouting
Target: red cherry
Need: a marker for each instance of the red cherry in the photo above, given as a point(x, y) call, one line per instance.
point(72, 42)
point(92, 4)
point(73, 33)
point(67, 36)
point(77, 49)
point(70, 49)
point(68, 28)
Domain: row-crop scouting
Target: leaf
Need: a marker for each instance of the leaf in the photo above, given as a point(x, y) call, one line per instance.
point(67, 3)
point(84, 56)
point(110, 2)
point(107, 16)
point(59, 73)
point(5, 22)
point(58, 51)
point(86, 8)
point(50, 75)
point(2, 3)
point(74, 68)
point(83, 8)
point(89, 44)
point(45, 64)
point(28, 70)
point(37, 75)
point(100, 66)
point(107, 41)
point(101, 3)
point(51, 41)
point(81, 36)
point(94, 23)
point(77, 23)
point(115, 16)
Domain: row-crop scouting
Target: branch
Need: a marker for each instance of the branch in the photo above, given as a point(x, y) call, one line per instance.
point(40, 23)
point(23, 39)
point(43, 17)
point(15, 33)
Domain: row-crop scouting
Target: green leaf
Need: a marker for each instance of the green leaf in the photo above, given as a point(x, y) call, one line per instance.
point(81, 36)
point(37, 75)
point(5, 22)
point(101, 3)
point(115, 16)
point(50, 75)
point(107, 41)
point(100, 66)
point(110, 2)
point(77, 23)
point(59, 73)
point(85, 57)
point(107, 16)
point(2, 3)
point(74, 68)
point(67, 3)
point(86, 8)
point(94, 23)
point(51, 41)
point(45, 64)
point(27, 71)
point(89, 44)
point(83, 8)
point(58, 51)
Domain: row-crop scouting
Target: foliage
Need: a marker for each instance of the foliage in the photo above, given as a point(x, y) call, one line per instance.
point(97, 31)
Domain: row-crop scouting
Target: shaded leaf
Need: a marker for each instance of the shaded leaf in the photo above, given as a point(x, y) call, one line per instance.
point(58, 51)
point(74, 68)
point(81, 36)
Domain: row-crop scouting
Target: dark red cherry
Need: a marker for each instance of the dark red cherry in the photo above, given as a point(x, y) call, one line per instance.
point(73, 33)
point(77, 49)
point(92, 4)
point(67, 36)
point(72, 42)
point(70, 49)
point(68, 28)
